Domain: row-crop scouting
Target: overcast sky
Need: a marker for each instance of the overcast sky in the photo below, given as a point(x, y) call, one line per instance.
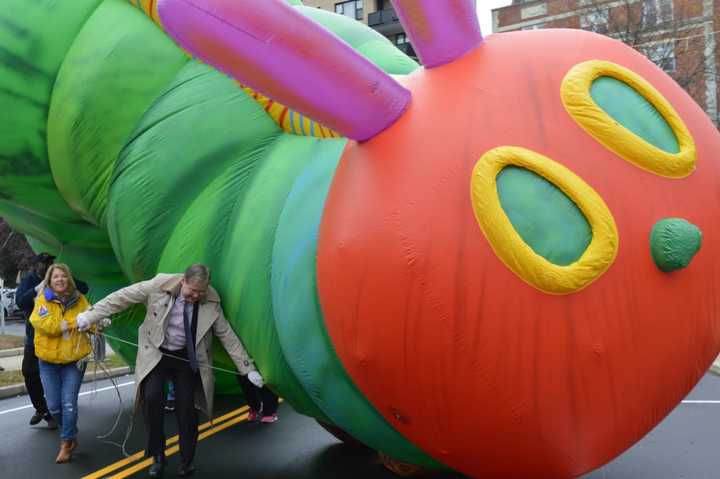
point(484, 7)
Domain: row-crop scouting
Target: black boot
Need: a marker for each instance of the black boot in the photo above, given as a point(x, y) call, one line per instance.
point(156, 469)
point(36, 418)
point(186, 469)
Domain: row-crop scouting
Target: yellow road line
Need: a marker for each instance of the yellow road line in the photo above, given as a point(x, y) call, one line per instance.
point(172, 450)
point(170, 441)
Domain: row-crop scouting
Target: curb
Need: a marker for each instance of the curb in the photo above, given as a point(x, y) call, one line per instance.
point(6, 353)
point(19, 389)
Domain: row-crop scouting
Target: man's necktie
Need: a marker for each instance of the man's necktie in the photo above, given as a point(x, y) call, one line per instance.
point(188, 311)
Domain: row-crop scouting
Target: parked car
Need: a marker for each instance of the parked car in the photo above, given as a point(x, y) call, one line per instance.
point(7, 299)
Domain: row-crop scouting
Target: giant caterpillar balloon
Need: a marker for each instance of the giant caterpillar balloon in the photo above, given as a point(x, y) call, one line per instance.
point(499, 272)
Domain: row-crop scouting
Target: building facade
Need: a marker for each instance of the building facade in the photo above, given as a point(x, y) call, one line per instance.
point(678, 35)
point(377, 14)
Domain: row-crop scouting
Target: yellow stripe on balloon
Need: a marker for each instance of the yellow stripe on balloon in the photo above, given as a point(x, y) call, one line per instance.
point(297, 128)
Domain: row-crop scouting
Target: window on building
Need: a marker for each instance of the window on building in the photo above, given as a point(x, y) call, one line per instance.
point(657, 12)
point(352, 9)
point(400, 39)
point(535, 26)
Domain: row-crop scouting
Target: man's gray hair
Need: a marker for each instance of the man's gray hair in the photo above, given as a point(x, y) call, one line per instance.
point(197, 272)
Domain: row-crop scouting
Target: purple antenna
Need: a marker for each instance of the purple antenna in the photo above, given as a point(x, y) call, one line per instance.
point(271, 47)
point(440, 30)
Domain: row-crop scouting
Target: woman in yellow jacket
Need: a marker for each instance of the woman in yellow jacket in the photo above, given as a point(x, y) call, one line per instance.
point(60, 347)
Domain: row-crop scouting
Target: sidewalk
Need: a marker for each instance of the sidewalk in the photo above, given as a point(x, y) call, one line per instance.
point(15, 327)
point(13, 360)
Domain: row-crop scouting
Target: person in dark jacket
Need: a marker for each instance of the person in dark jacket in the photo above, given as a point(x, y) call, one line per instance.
point(25, 301)
point(263, 402)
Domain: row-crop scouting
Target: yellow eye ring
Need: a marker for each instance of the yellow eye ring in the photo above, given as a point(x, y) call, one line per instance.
point(577, 99)
point(509, 245)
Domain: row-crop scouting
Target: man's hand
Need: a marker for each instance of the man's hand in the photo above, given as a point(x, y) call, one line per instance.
point(255, 378)
point(83, 322)
point(104, 323)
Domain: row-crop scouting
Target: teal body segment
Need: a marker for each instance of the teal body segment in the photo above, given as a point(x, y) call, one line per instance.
point(299, 320)
point(245, 261)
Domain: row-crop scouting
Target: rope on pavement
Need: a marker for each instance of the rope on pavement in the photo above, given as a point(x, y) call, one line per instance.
point(98, 345)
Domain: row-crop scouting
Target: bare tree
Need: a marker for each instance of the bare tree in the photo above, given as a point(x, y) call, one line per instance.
point(671, 34)
point(15, 253)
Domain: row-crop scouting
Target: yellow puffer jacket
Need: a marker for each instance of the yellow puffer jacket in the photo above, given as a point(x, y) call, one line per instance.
point(51, 343)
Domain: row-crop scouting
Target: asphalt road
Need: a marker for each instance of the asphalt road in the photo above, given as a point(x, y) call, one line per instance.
point(683, 446)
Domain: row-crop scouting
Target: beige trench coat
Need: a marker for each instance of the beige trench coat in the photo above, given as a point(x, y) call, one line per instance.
point(158, 295)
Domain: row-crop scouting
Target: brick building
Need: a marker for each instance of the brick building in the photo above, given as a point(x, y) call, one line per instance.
point(377, 14)
point(678, 35)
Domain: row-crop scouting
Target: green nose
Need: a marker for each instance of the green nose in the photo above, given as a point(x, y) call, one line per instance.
point(673, 243)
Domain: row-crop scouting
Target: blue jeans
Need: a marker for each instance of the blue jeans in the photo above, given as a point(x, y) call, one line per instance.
point(62, 385)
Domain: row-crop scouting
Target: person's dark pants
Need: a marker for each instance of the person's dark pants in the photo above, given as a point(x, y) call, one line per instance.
point(31, 373)
point(258, 398)
point(185, 382)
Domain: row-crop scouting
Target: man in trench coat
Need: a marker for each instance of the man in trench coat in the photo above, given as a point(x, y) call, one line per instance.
point(178, 306)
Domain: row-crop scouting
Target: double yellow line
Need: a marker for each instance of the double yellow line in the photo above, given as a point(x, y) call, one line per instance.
point(206, 430)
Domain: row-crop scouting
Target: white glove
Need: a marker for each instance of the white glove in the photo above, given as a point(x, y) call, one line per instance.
point(255, 378)
point(82, 321)
point(40, 287)
point(104, 323)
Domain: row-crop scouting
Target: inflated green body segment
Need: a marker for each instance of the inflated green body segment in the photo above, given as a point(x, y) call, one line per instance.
point(81, 245)
point(50, 231)
point(673, 243)
point(88, 127)
point(546, 219)
point(35, 37)
point(633, 111)
point(200, 235)
point(151, 189)
point(300, 326)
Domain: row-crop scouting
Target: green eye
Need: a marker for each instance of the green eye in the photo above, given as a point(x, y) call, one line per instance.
point(625, 113)
point(542, 220)
point(544, 217)
point(629, 108)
